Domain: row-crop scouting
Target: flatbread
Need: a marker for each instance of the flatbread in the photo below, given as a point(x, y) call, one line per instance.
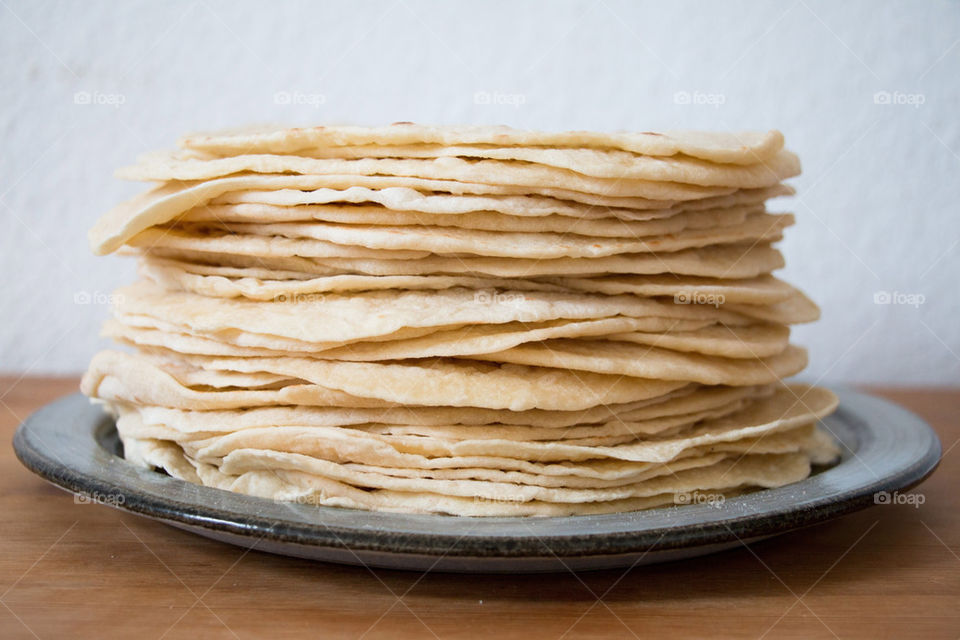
point(459, 341)
point(168, 200)
point(322, 240)
point(727, 261)
point(787, 408)
point(592, 162)
point(608, 227)
point(627, 359)
point(339, 319)
point(649, 416)
point(259, 283)
point(626, 176)
point(583, 207)
point(735, 148)
point(116, 378)
point(131, 378)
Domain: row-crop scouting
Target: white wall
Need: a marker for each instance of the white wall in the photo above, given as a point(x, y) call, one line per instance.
point(878, 206)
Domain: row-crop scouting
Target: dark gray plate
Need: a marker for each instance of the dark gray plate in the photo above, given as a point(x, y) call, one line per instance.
point(886, 449)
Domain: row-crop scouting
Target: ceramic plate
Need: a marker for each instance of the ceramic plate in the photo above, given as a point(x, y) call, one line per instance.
point(886, 449)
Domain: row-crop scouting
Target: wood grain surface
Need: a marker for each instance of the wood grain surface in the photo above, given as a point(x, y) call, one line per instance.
point(70, 570)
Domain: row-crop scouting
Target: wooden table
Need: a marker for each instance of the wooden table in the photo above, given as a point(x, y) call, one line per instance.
point(72, 570)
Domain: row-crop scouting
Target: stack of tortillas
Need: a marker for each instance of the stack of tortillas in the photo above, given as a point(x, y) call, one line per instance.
point(468, 321)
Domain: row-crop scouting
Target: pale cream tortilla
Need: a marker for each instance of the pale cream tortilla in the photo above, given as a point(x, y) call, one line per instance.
point(259, 283)
point(122, 378)
point(351, 447)
point(734, 148)
point(592, 373)
point(608, 227)
point(592, 162)
point(723, 261)
point(206, 241)
point(531, 178)
point(244, 461)
point(686, 399)
point(334, 240)
point(336, 318)
point(679, 408)
point(582, 475)
point(137, 379)
point(797, 308)
point(460, 341)
point(626, 176)
point(192, 377)
point(436, 202)
point(437, 197)
point(750, 341)
point(787, 408)
point(166, 201)
point(642, 361)
point(769, 471)
point(761, 290)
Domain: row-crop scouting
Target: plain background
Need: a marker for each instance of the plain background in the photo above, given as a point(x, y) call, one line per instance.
point(866, 92)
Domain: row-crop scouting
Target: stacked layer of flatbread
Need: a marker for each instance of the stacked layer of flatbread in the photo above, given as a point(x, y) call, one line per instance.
point(470, 321)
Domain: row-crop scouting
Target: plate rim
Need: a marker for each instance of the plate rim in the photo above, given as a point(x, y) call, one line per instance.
point(469, 545)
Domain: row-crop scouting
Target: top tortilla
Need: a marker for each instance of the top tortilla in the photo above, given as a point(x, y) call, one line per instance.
point(733, 147)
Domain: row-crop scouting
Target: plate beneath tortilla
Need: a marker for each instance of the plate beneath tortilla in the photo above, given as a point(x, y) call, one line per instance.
point(886, 449)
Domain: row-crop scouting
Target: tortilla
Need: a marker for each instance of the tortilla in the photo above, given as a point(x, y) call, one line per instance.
point(458, 341)
point(734, 148)
point(728, 261)
point(166, 201)
point(339, 319)
point(607, 227)
point(322, 240)
point(676, 178)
